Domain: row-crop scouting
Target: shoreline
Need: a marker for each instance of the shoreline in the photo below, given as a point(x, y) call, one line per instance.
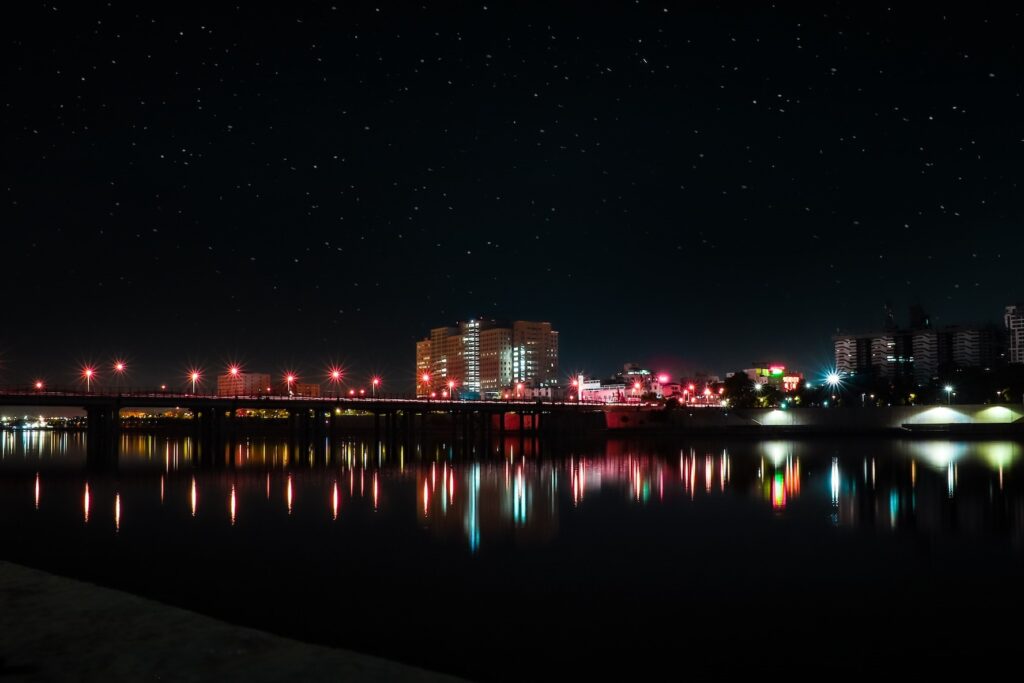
point(58, 628)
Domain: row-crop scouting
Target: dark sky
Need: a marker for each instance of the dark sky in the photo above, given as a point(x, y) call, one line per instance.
point(690, 188)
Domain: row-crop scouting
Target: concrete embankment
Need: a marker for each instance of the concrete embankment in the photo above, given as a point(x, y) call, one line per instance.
point(956, 420)
point(58, 629)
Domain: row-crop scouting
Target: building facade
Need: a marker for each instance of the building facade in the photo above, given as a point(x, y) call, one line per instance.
point(243, 384)
point(1013, 319)
point(485, 357)
point(920, 354)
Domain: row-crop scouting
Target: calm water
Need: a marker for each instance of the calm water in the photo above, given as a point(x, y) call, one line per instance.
point(708, 557)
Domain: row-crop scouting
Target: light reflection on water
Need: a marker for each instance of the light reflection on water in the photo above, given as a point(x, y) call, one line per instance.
point(887, 485)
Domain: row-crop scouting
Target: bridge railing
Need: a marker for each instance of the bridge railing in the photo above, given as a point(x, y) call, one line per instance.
point(30, 392)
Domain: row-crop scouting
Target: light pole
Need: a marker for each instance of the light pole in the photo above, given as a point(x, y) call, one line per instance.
point(374, 383)
point(119, 368)
point(335, 377)
point(451, 390)
point(88, 373)
point(949, 394)
point(194, 376)
point(425, 378)
point(289, 379)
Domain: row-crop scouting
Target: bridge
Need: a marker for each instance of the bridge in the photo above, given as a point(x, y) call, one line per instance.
point(310, 418)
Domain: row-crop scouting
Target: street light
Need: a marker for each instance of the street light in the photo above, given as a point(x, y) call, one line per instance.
point(194, 376)
point(39, 385)
point(289, 379)
point(451, 389)
point(375, 382)
point(949, 394)
point(88, 373)
point(425, 379)
point(519, 390)
point(335, 376)
point(119, 368)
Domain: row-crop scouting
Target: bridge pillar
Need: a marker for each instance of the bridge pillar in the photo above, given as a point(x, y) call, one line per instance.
point(103, 435)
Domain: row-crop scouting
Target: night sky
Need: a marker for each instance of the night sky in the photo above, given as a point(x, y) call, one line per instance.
point(694, 189)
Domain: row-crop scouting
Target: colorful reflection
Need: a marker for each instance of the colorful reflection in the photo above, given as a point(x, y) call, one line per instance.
point(511, 494)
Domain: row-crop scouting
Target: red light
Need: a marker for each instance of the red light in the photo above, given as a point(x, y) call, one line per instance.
point(119, 366)
point(451, 384)
point(39, 384)
point(335, 374)
point(425, 377)
point(233, 370)
point(636, 385)
point(362, 391)
point(691, 387)
point(289, 378)
point(351, 392)
point(575, 383)
point(663, 378)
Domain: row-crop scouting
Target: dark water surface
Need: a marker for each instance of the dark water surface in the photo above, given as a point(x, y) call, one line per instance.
point(623, 558)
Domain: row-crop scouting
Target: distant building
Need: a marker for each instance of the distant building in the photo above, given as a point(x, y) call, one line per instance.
point(243, 384)
point(1013, 319)
point(604, 391)
point(775, 375)
point(423, 368)
point(919, 353)
point(487, 357)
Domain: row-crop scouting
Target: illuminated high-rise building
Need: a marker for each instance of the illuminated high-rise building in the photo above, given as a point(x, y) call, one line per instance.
point(484, 357)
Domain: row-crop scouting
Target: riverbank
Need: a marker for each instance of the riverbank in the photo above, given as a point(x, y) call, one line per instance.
point(55, 628)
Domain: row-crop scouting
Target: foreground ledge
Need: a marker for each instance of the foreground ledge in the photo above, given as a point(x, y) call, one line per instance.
point(55, 628)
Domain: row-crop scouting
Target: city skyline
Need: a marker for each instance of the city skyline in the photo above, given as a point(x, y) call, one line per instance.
point(123, 370)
